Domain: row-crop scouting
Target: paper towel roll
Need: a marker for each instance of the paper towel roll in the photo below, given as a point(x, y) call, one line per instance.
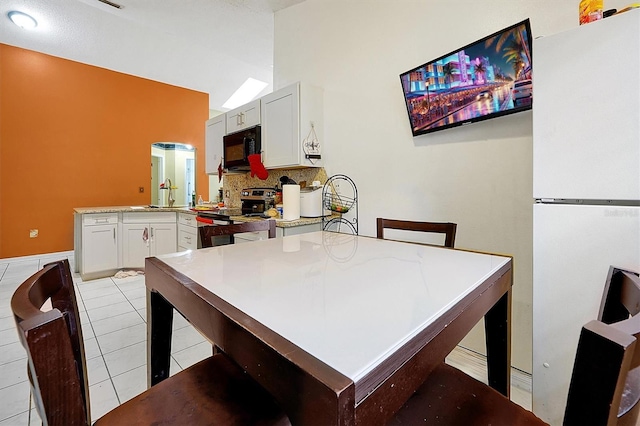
point(290, 202)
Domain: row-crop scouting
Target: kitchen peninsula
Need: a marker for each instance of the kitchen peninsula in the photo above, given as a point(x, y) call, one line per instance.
point(107, 239)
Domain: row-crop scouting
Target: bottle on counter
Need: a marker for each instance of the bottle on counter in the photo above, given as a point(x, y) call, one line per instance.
point(193, 199)
point(200, 202)
point(590, 10)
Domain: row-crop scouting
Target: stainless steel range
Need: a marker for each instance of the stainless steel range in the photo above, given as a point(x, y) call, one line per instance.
point(256, 201)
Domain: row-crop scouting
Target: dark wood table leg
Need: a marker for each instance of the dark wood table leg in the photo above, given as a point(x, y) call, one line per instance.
point(497, 323)
point(159, 329)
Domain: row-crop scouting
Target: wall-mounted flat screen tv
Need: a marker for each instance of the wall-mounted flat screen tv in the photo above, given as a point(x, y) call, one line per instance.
point(485, 79)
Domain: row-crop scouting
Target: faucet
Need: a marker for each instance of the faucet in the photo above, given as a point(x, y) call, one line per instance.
point(170, 199)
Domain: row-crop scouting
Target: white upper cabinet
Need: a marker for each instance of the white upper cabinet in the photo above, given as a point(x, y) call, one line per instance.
point(248, 115)
point(214, 132)
point(292, 127)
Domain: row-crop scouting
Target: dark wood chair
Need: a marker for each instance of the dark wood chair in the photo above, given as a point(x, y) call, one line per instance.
point(213, 391)
point(207, 233)
point(612, 390)
point(605, 383)
point(447, 228)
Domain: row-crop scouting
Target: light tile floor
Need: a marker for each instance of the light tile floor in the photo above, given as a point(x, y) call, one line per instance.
point(113, 318)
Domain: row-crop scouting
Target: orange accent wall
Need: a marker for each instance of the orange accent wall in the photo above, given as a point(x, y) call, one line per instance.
point(75, 135)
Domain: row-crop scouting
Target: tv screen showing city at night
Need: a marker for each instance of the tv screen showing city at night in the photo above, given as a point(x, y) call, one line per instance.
point(486, 79)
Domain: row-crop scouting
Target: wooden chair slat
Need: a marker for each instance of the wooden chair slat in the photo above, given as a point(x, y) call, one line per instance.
point(446, 228)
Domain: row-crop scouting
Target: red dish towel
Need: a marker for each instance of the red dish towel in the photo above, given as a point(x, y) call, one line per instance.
point(204, 220)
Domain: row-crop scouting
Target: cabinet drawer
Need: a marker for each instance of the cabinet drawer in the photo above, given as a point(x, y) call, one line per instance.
point(187, 237)
point(187, 219)
point(159, 217)
point(99, 218)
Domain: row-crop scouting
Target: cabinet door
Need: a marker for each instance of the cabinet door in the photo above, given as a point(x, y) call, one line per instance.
point(214, 132)
point(245, 116)
point(280, 131)
point(134, 246)
point(164, 238)
point(99, 248)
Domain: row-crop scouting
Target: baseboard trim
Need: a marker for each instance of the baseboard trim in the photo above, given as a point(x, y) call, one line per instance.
point(62, 254)
point(475, 364)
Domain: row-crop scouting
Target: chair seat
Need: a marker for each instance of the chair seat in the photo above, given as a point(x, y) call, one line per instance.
point(213, 391)
point(450, 397)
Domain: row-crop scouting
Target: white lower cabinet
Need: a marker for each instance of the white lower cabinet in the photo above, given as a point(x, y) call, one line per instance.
point(187, 232)
point(147, 234)
point(99, 243)
point(295, 230)
point(246, 237)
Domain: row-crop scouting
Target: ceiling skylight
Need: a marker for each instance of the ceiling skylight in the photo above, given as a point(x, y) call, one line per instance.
point(247, 92)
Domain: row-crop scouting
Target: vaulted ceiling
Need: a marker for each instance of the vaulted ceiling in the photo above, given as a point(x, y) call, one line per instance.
point(211, 46)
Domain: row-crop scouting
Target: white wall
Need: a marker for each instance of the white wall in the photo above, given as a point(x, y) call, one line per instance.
point(479, 176)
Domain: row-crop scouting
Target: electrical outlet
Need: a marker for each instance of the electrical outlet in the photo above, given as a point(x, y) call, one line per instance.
point(141, 189)
point(33, 233)
point(226, 193)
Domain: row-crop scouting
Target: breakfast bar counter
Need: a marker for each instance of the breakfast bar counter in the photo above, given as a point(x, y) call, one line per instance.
point(234, 214)
point(109, 238)
point(121, 209)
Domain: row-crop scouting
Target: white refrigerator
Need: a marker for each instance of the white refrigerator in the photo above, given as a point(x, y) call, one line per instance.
point(586, 187)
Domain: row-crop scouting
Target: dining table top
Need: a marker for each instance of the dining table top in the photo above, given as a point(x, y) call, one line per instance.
point(349, 301)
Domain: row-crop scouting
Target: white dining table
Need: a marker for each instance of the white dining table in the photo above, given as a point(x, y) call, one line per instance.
point(341, 329)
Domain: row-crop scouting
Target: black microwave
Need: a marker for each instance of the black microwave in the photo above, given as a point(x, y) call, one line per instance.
point(240, 145)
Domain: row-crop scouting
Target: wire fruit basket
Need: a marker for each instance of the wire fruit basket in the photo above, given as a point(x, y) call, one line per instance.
point(338, 203)
point(340, 196)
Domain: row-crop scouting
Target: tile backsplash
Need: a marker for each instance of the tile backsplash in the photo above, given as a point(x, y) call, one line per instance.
point(234, 183)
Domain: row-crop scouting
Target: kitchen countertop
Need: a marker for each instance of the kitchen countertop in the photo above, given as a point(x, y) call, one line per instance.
point(280, 223)
point(233, 213)
point(134, 209)
point(118, 209)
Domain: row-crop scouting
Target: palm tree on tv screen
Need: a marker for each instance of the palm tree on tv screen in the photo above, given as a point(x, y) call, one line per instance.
point(448, 69)
point(479, 69)
point(516, 51)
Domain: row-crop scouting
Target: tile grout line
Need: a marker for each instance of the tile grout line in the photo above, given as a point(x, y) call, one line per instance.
point(106, 366)
point(101, 354)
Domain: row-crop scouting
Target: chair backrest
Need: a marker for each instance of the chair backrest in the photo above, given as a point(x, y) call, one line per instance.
point(605, 384)
point(208, 232)
point(447, 228)
point(54, 345)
